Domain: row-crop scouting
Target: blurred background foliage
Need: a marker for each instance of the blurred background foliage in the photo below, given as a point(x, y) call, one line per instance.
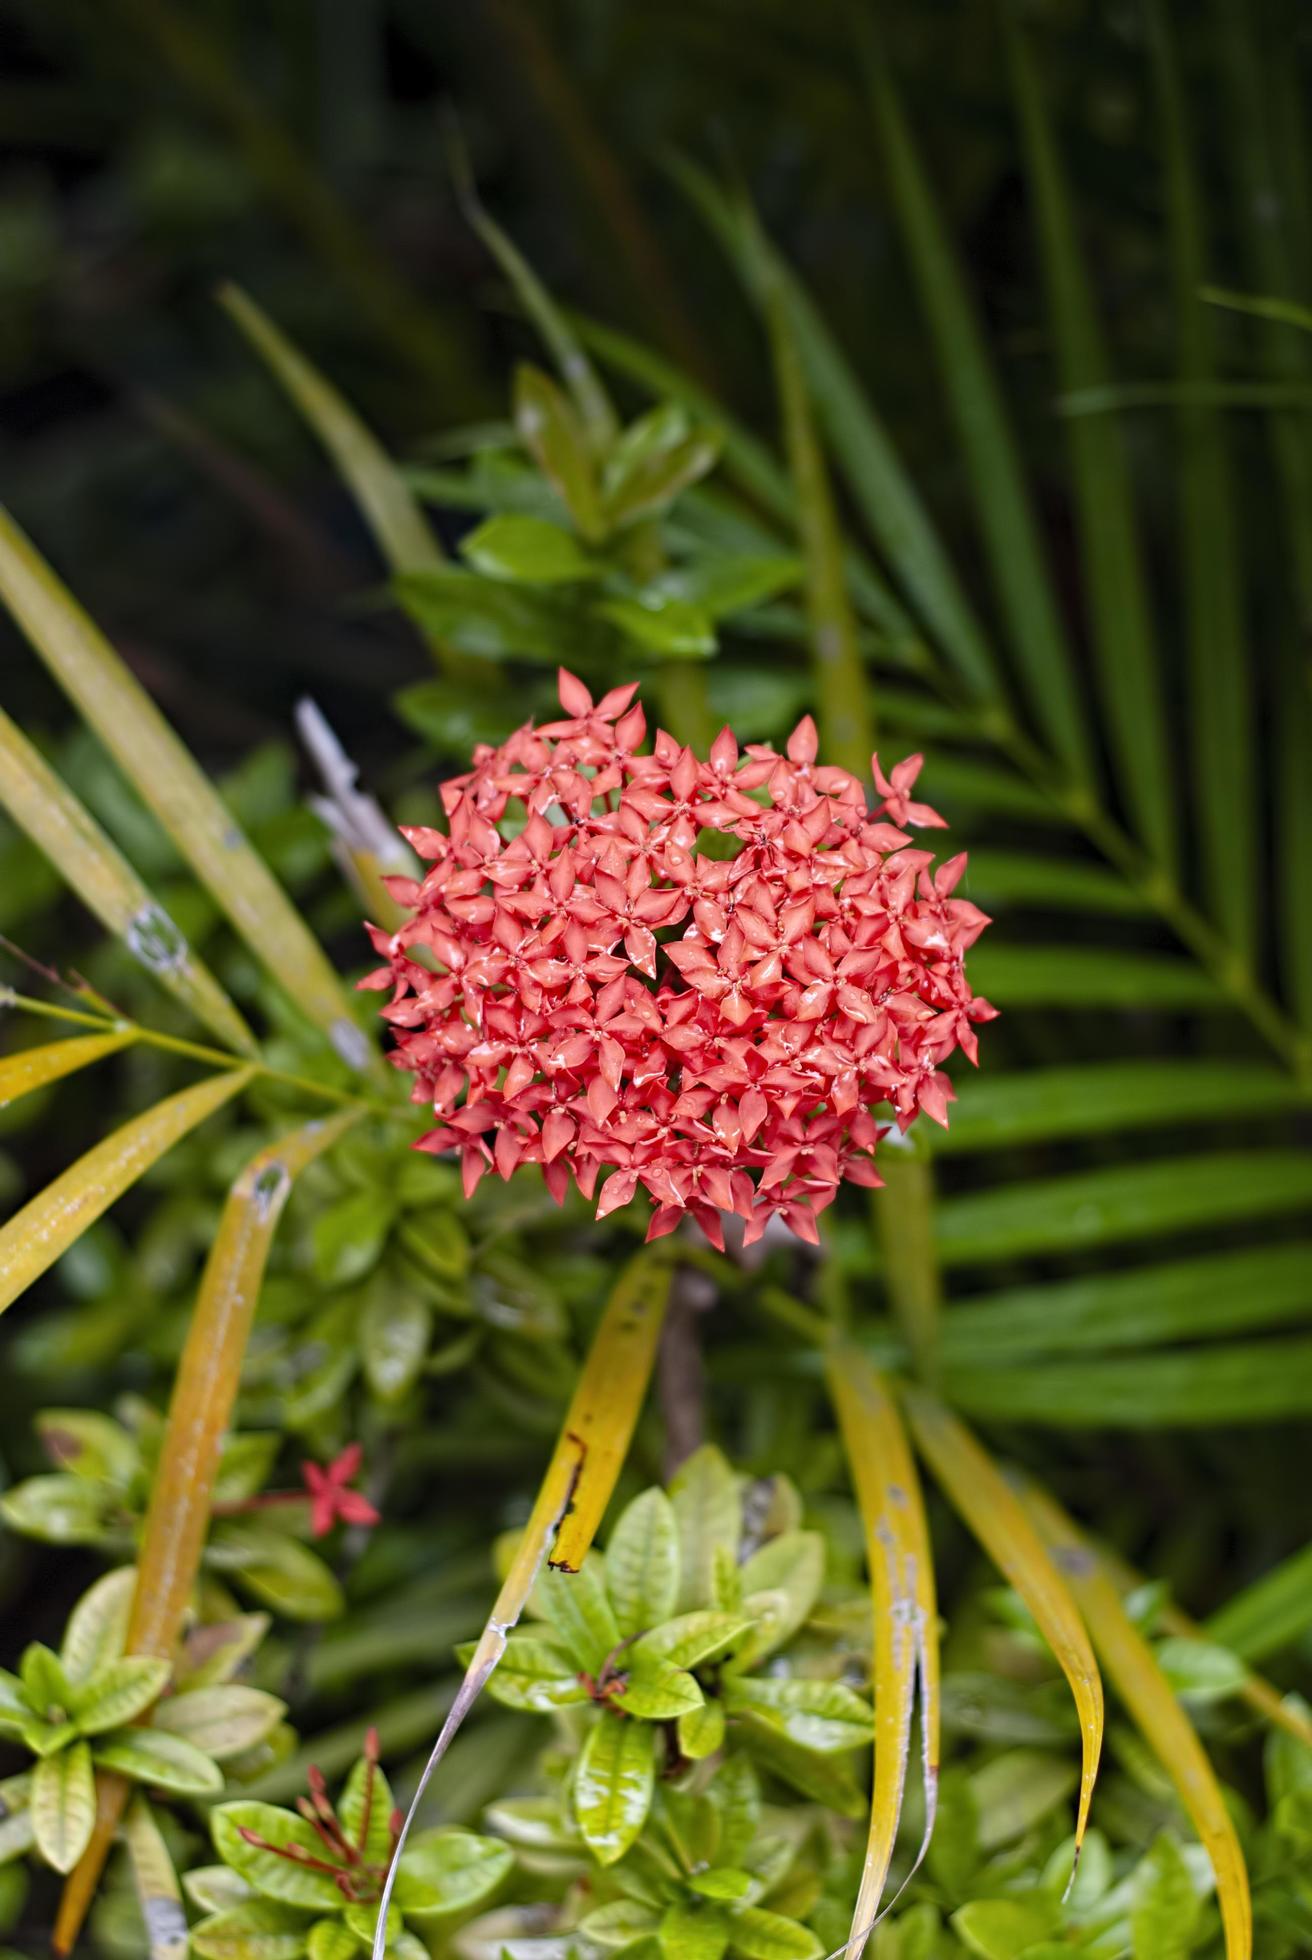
point(153, 150)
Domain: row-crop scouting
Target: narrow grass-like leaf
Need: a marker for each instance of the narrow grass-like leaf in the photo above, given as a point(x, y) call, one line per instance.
point(47, 1225)
point(842, 696)
point(995, 1110)
point(1234, 1382)
point(1002, 504)
point(200, 1411)
point(1121, 1203)
point(97, 872)
point(1186, 1299)
point(858, 439)
point(158, 1893)
point(1220, 694)
point(1147, 1694)
point(989, 1506)
point(1015, 879)
point(1272, 1613)
point(576, 1489)
point(171, 783)
point(1116, 589)
point(557, 330)
point(901, 1568)
point(1090, 976)
point(35, 1068)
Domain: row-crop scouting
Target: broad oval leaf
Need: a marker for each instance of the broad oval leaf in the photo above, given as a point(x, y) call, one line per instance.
point(787, 1573)
point(528, 549)
point(1164, 1902)
point(161, 1761)
point(61, 1509)
point(274, 1877)
point(693, 1638)
point(690, 1930)
point(642, 1563)
point(613, 1785)
point(367, 1800)
point(576, 1605)
point(532, 1675)
point(820, 1715)
point(450, 1871)
point(117, 1692)
point(63, 1805)
point(1000, 1929)
point(619, 1924)
point(223, 1721)
point(655, 1691)
point(708, 1512)
point(259, 1929)
point(701, 1731)
point(769, 1936)
point(331, 1939)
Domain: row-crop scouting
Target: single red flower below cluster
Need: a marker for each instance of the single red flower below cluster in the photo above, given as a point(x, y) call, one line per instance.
point(593, 983)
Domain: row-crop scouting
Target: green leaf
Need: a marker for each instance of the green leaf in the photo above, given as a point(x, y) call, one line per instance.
point(1272, 1612)
point(994, 1110)
point(781, 1583)
point(769, 1936)
point(244, 1466)
point(63, 1805)
point(669, 627)
point(363, 1794)
point(1002, 503)
point(1001, 1929)
point(1238, 1382)
point(1073, 977)
point(1200, 1670)
point(724, 584)
point(61, 1509)
point(274, 1877)
point(117, 1692)
point(161, 1761)
point(721, 1882)
point(693, 1931)
point(44, 1682)
point(213, 1654)
point(708, 1513)
point(554, 437)
point(1121, 1203)
point(155, 1881)
point(1017, 1790)
point(223, 1721)
point(820, 1715)
point(17, 1832)
point(89, 1445)
point(349, 1236)
point(1117, 597)
point(657, 1692)
point(619, 1924)
point(97, 1627)
point(396, 1327)
point(693, 1638)
point(1164, 1903)
point(527, 550)
point(736, 1794)
point(1015, 881)
point(258, 1930)
point(656, 459)
point(331, 1939)
point(279, 1570)
point(576, 1606)
point(1221, 1293)
point(493, 620)
point(450, 1871)
point(215, 1887)
point(701, 1731)
point(613, 1785)
point(532, 1675)
point(642, 1563)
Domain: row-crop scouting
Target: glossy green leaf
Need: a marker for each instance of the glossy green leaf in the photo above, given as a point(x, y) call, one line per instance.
point(272, 1876)
point(1015, 1791)
point(701, 1731)
point(96, 1631)
point(708, 1512)
point(769, 1936)
point(259, 1929)
point(693, 1638)
point(63, 1510)
point(642, 1563)
point(1002, 1929)
point(47, 1225)
point(349, 1236)
point(63, 1805)
point(533, 1675)
point(281, 1572)
point(527, 549)
point(577, 1608)
point(117, 1692)
point(669, 627)
point(555, 438)
point(160, 1760)
point(223, 1721)
point(821, 1715)
point(1269, 1614)
point(781, 1583)
point(1200, 1670)
point(655, 1691)
point(656, 458)
point(367, 1800)
point(331, 1939)
point(613, 1785)
point(89, 1444)
point(449, 1871)
point(1121, 1204)
point(1164, 1906)
point(618, 1924)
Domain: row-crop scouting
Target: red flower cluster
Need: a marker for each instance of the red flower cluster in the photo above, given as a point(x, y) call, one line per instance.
point(595, 992)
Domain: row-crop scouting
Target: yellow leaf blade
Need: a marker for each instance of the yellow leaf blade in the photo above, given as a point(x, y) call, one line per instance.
point(200, 1410)
point(901, 1570)
point(34, 1068)
point(48, 1224)
point(156, 1882)
point(580, 1479)
point(172, 784)
point(994, 1513)
point(1148, 1695)
point(41, 804)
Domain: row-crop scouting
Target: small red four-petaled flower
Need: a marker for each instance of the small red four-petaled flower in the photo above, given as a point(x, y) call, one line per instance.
point(594, 994)
point(330, 1495)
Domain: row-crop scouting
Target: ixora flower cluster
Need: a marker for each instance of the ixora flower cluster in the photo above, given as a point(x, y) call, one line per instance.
point(698, 976)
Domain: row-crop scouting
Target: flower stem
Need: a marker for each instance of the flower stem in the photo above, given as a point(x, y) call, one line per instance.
point(904, 1221)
